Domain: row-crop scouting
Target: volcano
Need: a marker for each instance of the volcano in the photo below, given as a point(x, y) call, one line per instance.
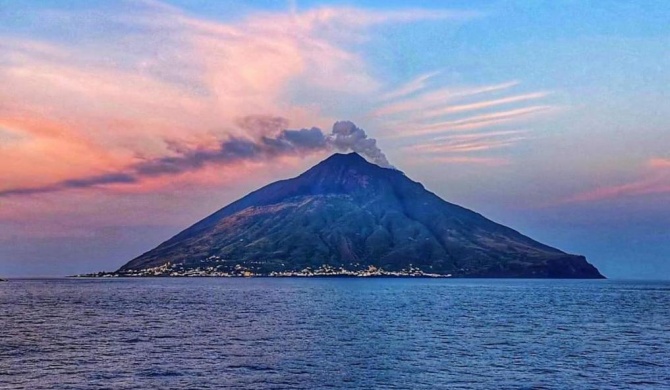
point(346, 216)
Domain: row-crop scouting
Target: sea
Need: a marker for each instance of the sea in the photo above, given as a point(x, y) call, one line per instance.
point(333, 333)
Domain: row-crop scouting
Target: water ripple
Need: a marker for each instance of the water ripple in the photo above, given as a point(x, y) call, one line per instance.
point(333, 333)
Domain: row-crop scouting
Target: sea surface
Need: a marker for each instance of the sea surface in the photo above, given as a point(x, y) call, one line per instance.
point(270, 333)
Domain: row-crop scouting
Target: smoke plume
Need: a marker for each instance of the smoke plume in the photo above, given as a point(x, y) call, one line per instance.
point(345, 136)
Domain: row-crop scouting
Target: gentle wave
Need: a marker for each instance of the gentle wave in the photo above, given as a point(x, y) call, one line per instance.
point(333, 333)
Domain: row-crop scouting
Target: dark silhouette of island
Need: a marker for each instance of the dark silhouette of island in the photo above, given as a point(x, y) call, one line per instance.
point(346, 216)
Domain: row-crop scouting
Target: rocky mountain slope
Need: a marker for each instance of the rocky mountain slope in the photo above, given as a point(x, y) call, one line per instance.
point(348, 216)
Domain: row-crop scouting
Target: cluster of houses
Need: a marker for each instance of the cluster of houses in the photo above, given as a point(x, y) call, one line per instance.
point(178, 270)
point(371, 271)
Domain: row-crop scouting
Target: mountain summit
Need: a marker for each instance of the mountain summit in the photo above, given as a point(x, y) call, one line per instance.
point(348, 216)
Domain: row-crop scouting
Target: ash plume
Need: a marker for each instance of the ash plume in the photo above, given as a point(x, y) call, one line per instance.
point(347, 136)
point(264, 146)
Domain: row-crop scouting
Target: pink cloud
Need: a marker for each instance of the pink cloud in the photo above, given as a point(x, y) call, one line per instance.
point(654, 180)
point(175, 77)
point(659, 163)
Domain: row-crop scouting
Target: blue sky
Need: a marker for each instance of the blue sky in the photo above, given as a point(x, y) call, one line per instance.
point(547, 116)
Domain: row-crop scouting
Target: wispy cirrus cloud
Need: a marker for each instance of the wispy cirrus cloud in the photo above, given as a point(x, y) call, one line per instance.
point(436, 121)
point(489, 120)
point(468, 148)
point(436, 97)
point(471, 143)
point(439, 112)
point(417, 84)
point(654, 179)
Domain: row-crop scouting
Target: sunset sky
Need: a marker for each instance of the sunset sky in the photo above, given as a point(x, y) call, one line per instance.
point(119, 119)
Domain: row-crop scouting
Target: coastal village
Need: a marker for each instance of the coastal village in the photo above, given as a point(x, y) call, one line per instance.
point(178, 270)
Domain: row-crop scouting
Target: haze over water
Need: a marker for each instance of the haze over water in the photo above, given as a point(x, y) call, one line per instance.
point(336, 333)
